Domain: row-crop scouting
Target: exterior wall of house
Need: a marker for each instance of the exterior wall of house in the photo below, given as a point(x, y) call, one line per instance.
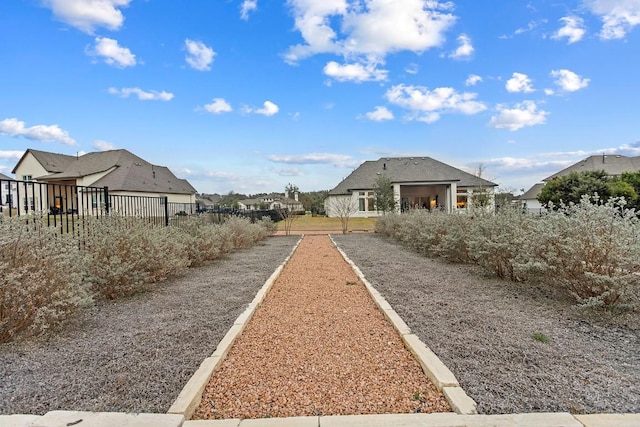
point(29, 166)
point(336, 206)
point(171, 198)
point(532, 206)
point(8, 195)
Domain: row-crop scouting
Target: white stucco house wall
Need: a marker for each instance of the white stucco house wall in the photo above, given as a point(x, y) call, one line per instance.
point(121, 171)
point(418, 183)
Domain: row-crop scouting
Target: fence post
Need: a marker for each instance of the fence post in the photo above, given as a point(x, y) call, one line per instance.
point(107, 202)
point(166, 211)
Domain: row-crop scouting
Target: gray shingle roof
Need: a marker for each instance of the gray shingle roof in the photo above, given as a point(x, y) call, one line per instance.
point(404, 170)
point(51, 162)
point(611, 164)
point(531, 193)
point(128, 172)
point(5, 177)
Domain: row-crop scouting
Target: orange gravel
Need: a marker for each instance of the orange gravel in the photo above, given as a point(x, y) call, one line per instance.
point(318, 345)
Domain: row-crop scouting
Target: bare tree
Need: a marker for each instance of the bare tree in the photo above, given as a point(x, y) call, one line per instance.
point(344, 207)
point(286, 208)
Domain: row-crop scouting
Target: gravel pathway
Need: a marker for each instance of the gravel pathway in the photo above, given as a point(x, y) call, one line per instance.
point(136, 355)
point(482, 329)
point(318, 345)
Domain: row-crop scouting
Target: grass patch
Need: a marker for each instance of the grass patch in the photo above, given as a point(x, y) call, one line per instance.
point(540, 337)
point(321, 223)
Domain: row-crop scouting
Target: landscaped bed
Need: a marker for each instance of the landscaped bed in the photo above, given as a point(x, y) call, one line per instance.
point(514, 347)
point(136, 354)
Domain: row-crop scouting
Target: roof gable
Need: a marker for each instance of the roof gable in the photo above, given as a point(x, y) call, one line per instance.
point(407, 170)
point(51, 162)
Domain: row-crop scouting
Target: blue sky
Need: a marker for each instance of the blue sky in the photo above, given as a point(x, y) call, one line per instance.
point(249, 95)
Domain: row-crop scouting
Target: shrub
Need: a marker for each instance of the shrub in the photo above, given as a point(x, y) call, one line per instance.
point(496, 241)
point(590, 249)
point(203, 241)
point(129, 254)
point(41, 277)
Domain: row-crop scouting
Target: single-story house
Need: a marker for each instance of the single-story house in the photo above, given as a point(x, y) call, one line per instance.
point(273, 201)
point(612, 164)
point(418, 183)
point(8, 192)
point(122, 172)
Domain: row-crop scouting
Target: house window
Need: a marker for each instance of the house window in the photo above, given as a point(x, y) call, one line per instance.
point(8, 199)
point(366, 201)
point(27, 178)
point(29, 203)
point(462, 198)
point(94, 200)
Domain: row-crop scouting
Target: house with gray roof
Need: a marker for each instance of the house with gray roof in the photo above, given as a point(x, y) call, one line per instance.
point(121, 171)
point(8, 192)
point(418, 183)
point(612, 164)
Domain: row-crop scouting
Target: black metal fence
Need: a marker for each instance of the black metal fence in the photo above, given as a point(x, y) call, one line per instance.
point(64, 205)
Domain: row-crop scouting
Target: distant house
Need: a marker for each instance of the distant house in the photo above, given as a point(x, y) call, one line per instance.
point(272, 201)
point(121, 171)
point(613, 165)
point(418, 183)
point(8, 192)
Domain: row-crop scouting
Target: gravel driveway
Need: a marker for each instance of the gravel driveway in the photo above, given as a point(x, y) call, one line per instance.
point(481, 327)
point(135, 355)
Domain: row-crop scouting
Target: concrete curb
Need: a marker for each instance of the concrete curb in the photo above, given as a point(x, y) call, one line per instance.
point(432, 366)
point(191, 395)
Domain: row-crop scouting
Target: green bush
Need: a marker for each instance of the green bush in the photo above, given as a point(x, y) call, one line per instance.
point(41, 277)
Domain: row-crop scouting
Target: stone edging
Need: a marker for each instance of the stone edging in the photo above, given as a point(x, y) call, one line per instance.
point(191, 395)
point(432, 366)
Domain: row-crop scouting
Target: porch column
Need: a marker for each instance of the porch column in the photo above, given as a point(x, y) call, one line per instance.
point(396, 196)
point(453, 189)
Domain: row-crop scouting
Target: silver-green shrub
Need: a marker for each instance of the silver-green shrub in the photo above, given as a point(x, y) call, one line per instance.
point(41, 277)
point(496, 241)
point(129, 254)
point(590, 249)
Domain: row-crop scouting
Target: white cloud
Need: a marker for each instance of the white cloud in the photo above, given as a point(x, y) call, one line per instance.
point(472, 80)
point(268, 109)
point(112, 53)
point(379, 114)
point(339, 160)
point(569, 81)
point(11, 154)
point(464, 50)
point(519, 83)
point(219, 105)
point(288, 171)
point(375, 27)
point(411, 69)
point(247, 7)
point(142, 95)
point(44, 133)
point(101, 145)
point(618, 16)
point(199, 56)
point(427, 106)
point(573, 29)
point(86, 15)
point(522, 115)
point(531, 26)
point(355, 72)
point(549, 92)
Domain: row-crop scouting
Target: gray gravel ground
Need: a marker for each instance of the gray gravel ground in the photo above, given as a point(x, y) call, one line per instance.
point(481, 328)
point(136, 355)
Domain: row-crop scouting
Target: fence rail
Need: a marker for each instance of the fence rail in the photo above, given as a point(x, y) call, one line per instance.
point(64, 205)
